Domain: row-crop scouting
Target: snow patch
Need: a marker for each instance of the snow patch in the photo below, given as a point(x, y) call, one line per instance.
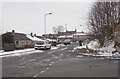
point(53, 48)
point(19, 52)
point(60, 45)
point(33, 38)
point(103, 51)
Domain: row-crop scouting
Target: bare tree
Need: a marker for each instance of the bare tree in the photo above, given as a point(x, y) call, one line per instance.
point(103, 19)
point(58, 29)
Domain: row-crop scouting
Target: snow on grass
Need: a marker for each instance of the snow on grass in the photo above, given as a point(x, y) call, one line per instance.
point(22, 52)
point(33, 38)
point(60, 45)
point(1, 51)
point(103, 51)
point(19, 52)
point(53, 48)
point(93, 45)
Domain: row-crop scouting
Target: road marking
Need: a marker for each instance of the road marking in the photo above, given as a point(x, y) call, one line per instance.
point(68, 54)
point(50, 64)
point(64, 48)
point(79, 56)
point(35, 75)
point(47, 68)
point(42, 71)
point(61, 54)
point(50, 52)
point(71, 51)
point(116, 62)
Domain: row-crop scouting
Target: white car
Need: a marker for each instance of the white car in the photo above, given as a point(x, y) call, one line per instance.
point(42, 45)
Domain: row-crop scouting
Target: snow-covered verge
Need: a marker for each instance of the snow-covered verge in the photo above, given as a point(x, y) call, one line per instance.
point(22, 52)
point(60, 45)
point(54, 47)
point(19, 52)
point(93, 49)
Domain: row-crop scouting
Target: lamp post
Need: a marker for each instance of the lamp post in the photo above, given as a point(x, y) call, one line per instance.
point(45, 21)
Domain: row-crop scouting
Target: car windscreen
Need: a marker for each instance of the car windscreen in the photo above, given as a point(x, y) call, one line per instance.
point(40, 42)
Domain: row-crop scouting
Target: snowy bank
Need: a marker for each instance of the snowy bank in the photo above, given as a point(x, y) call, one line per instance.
point(19, 52)
point(93, 48)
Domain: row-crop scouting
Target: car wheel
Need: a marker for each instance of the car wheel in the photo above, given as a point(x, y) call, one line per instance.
point(45, 48)
point(36, 49)
point(50, 47)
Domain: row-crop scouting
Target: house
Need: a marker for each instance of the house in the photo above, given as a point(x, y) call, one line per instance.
point(80, 36)
point(21, 41)
point(50, 36)
point(67, 32)
point(62, 38)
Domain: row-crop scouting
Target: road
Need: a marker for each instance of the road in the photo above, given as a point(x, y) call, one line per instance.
point(58, 63)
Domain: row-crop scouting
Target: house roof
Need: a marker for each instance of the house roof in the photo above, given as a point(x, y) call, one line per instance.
point(66, 36)
point(20, 36)
point(80, 33)
point(33, 38)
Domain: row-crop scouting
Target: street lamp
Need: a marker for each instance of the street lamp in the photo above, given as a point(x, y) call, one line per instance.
point(45, 20)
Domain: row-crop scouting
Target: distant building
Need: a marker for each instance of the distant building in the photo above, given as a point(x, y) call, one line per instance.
point(62, 38)
point(81, 36)
point(50, 36)
point(55, 36)
point(67, 32)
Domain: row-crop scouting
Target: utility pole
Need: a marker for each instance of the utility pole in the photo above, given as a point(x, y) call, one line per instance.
point(45, 21)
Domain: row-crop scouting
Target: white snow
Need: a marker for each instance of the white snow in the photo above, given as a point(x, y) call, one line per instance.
point(50, 39)
point(104, 51)
point(79, 47)
point(66, 36)
point(1, 51)
point(33, 38)
point(60, 45)
point(80, 33)
point(93, 45)
point(53, 48)
point(23, 52)
point(19, 52)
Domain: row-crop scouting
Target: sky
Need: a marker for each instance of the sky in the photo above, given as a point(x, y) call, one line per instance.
point(27, 17)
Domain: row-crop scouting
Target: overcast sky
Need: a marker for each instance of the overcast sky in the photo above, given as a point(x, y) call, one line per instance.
point(28, 17)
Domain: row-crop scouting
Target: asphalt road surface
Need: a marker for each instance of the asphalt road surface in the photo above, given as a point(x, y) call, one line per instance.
point(58, 63)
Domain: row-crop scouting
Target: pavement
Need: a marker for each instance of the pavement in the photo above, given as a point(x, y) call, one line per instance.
point(59, 62)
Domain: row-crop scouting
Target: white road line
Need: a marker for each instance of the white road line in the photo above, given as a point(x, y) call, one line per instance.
point(50, 64)
point(42, 71)
point(35, 75)
point(116, 62)
point(68, 54)
point(47, 68)
point(61, 54)
point(50, 52)
point(64, 48)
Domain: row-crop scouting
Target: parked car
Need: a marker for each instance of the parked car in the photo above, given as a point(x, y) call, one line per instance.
point(66, 41)
point(42, 45)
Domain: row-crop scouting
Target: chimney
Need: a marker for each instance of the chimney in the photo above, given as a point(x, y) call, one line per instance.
point(31, 34)
point(34, 34)
point(13, 31)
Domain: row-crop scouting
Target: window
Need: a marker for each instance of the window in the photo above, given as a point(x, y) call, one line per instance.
point(17, 42)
